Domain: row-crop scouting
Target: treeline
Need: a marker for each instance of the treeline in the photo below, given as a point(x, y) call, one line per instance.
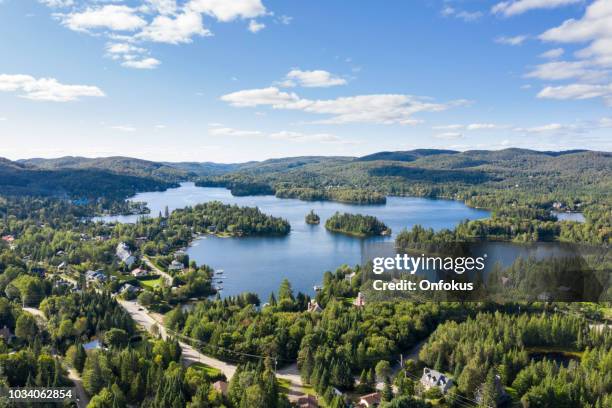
point(342, 195)
point(356, 224)
point(502, 343)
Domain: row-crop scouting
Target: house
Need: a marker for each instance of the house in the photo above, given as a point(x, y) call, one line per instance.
point(8, 238)
point(432, 378)
point(359, 300)
point(176, 266)
point(369, 400)
point(221, 387)
point(62, 266)
point(127, 288)
point(350, 276)
point(313, 306)
point(139, 272)
point(124, 254)
point(97, 276)
point(502, 395)
point(92, 345)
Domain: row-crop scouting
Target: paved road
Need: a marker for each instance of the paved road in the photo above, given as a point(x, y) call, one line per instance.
point(158, 271)
point(190, 355)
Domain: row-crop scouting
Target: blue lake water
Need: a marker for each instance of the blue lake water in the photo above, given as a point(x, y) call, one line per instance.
point(259, 264)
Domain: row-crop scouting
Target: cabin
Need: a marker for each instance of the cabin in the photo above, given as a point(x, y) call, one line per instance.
point(304, 401)
point(124, 254)
point(432, 378)
point(139, 272)
point(95, 276)
point(369, 400)
point(127, 288)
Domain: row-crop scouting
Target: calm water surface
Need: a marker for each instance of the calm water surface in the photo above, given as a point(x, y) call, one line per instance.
point(259, 264)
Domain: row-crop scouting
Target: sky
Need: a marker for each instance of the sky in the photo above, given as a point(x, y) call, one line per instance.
point(239, 80)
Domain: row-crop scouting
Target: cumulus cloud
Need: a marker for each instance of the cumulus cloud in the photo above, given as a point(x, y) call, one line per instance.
point(224, 10)
point(174, 30)
point(553, 54)
point(515, 7)
point(255, 26)
point(111, 16)
point(593, 62)
point(560, 70)
point(46, 89)
point(161, 21)
point(513, 41)
point(380, 109)
point(312, 79)
point(145, 63)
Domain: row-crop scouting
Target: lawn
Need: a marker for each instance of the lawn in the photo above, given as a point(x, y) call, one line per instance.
point(150, 283)
point(211, 372)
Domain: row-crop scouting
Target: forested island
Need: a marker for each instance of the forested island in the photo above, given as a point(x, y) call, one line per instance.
point(312, 218)
point(357, 225)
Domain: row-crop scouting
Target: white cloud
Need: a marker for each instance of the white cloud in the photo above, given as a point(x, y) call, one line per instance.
point(255, 97)
point(560, 70)
point(46, 89)
point(577, 91)
point(145, 63)
point(57, 3)
point(111, 16)
point(551, 127)
point(255, 26)
point(226, 10)
point(553, 54)
point(467, 16)
point(286, 20)
point(163, 6)
point(216, 129)
point(312, 79)
point(124, 128)
point(449, 135)
point(470, 127)
point(514, 41)
point(515, 7)
point(481, 126)
point(180, 29)
point(380, 109)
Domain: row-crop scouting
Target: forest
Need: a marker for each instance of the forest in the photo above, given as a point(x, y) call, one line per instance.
point(356, 224)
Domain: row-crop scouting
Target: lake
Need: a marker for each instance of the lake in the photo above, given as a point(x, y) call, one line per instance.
point(259, 264)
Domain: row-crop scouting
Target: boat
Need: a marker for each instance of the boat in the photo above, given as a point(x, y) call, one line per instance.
point(219, 271)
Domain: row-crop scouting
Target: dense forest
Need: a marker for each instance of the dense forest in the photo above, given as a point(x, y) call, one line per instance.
point(312, 218)
point(356, 224)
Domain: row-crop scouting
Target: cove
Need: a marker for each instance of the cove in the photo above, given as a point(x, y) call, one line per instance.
point(259, 264)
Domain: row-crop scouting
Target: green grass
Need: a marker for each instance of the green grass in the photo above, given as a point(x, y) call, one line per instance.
point(210, 372)
point(151, 283)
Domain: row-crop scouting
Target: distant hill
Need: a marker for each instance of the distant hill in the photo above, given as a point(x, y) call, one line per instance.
point(22, 178)
point(118, 165)
point(405, 156)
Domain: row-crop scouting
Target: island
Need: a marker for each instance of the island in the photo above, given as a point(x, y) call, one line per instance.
point(312, 218)
point(356, 225)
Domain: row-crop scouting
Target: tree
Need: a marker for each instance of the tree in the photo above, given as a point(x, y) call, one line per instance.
point(116, 338)
point(383, 370)
point(26, 327)
point(93, 379)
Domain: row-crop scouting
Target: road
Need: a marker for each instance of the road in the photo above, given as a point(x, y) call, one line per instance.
point(158, 271)
point(82, 398)
point(190, 355)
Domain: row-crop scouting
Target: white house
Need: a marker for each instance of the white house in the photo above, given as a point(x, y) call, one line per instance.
point(124, 254)
point(432, 378)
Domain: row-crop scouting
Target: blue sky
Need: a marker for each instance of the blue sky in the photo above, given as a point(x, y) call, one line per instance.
point(238, 80)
